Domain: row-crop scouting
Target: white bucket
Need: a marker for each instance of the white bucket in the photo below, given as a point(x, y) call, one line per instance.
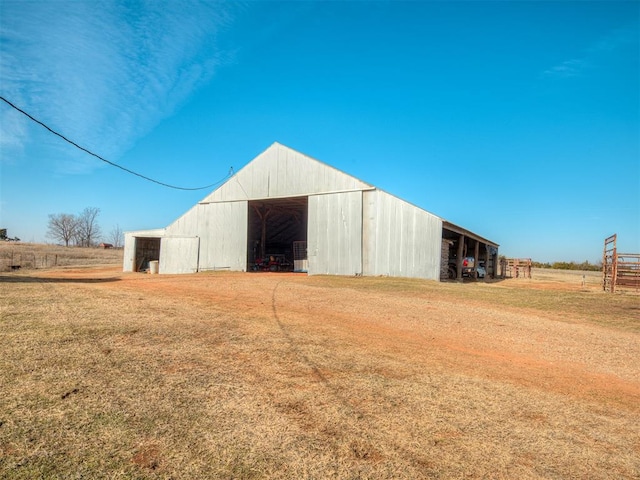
point(153, 266)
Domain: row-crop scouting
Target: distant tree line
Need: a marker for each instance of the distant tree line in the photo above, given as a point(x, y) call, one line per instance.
point(569, 265)
point(81, 230)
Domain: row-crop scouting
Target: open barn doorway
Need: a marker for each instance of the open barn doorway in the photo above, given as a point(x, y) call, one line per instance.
point(466, 255)
point(277, 234)
point(147, 249)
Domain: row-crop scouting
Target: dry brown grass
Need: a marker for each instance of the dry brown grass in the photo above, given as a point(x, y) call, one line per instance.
point(111, 375)
point(31, 256)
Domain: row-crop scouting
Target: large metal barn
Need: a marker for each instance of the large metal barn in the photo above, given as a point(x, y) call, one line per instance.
point(285, 211)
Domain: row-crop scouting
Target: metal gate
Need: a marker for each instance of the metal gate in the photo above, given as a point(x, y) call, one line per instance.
point(619, 269)
point(300, 260)
point(609, 264)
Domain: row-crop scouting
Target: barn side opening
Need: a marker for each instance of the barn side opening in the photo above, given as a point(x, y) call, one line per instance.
point(466, 255)
point(277, 234)
point(147, 250)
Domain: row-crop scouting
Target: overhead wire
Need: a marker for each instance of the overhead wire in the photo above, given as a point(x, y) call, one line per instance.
point(113, 164)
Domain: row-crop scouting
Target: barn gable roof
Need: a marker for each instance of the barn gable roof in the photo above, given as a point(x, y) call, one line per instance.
point(280, 172)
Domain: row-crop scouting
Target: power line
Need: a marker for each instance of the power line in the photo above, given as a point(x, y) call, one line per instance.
point(108, 161)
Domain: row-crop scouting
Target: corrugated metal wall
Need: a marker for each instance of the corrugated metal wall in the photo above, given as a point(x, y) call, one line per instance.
point(222, 228)
point(179, 254)
point(187, 224)
point(334, 242)
point(282, 172)
point(399, 239)
point(129, 253)
point(220, 220)
point(223, 232)
point(352, 228)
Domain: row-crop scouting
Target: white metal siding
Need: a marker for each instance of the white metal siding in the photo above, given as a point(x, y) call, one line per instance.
point(352, 228)
point(399, 239)
point(187, 224)
point(334, 242)
point(179, 255)
point(129, 253)
point(222, 228)
point(281, 172)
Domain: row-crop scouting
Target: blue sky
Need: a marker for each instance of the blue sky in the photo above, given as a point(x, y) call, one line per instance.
point(519, 121)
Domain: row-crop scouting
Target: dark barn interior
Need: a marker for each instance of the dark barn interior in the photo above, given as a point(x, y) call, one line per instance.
point(147, 249)
point(463, 243)
point(273, 226)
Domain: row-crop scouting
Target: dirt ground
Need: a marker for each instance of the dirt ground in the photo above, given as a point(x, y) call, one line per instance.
point(511, 343)
point(539, 378)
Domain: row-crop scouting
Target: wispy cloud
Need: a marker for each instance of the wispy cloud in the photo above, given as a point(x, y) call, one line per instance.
point(595, 55)
point(104, 74)
point(569, 68)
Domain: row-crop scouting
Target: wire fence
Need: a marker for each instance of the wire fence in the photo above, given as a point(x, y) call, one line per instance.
point(14, 260)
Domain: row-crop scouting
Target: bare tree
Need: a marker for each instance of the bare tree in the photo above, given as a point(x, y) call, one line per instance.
point(78, 239)
point(115, 236)
point(88, 229)
point(62, 227)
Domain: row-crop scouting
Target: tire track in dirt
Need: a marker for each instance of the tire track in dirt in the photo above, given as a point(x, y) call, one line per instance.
point(363, 448)
point(418, 335)
point(361, 318)
point(457, 351)
point(295, 349)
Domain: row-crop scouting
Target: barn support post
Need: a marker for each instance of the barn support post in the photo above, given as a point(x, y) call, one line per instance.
point(487, 257)
point(460, 254)
point(264, 214)
point(263, 236)
point(476, 259)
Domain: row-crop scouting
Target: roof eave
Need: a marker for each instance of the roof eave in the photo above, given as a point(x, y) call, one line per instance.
point(467, 233)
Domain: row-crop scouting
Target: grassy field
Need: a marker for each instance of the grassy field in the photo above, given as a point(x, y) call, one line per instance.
point(282, 376)
point(38, 256)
